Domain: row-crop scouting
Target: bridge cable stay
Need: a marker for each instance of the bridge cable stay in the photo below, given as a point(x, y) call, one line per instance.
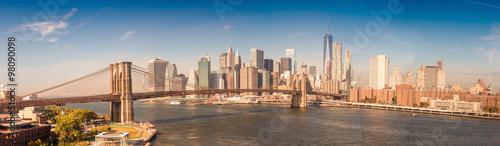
point(141, 70)
point(69, 82)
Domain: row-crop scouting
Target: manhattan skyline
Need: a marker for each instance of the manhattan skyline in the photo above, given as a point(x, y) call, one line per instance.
point(85, 36)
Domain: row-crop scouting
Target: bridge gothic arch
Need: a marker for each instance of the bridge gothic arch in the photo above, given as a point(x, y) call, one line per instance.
point(121, 85)
point(299, 82)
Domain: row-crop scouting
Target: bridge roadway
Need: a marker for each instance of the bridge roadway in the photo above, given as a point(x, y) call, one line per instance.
point(144, 95)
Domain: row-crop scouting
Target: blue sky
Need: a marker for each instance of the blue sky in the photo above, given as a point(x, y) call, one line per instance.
point(78, 37)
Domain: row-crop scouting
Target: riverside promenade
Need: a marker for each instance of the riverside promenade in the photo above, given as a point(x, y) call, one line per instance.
point(410, 109)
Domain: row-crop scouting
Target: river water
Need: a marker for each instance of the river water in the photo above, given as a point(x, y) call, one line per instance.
point(260, 124)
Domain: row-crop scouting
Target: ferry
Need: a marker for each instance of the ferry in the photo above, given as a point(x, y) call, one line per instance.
point(175, 102)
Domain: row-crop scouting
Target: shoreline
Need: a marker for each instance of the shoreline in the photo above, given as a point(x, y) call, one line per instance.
point(412, 111)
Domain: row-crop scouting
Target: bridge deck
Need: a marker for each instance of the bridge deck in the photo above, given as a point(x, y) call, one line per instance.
point(116, 98)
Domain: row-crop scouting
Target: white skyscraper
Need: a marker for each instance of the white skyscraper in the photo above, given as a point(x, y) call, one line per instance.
point(346, 77)
point(379, 71)
point(192, 82)
point(337, 62)
point(291, 54)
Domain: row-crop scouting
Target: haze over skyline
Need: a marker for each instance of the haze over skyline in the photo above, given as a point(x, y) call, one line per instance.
point(84, 36)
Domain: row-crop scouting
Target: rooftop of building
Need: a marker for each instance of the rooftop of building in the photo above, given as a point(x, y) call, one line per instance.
point(17, 123)
point(113, 134)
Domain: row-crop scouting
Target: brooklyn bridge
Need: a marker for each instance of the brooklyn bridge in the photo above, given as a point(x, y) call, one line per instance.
point(121, 97)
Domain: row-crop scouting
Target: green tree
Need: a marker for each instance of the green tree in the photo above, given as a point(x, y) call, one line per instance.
point(486, 109)
point(395, 99)
point(424, 104)
point(415, 105)
point(68, 128)
point(84, 115)
point(493, 109)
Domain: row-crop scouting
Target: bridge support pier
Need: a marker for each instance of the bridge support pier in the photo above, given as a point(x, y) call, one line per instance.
point(121, 85)
point(299, 100)
point(114, 111)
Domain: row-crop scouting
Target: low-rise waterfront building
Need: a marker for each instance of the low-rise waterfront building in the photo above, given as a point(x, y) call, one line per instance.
point(455, 104)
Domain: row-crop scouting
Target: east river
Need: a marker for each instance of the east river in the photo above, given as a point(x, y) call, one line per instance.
point(260, 124)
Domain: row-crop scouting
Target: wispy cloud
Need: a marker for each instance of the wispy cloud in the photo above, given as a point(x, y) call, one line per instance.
point(226, 27)
point(52, 39)
point(391, 37)
point(65, 17)
point(417, 35)
point(298, 34)
point(41, 30)
point(127, 35)
point(493, 40)
point(484, 4)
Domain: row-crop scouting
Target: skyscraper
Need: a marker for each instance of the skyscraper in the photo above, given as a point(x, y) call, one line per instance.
point(192, 82)
point(257, 58)
point(290, 53)
point(312, 70)
point(264, 79)
point(303, 69)
point(204, 72)
point(222, 61)
point(441, 75)
point(249, 79)
point(170, 73)
point(408, 79)
point(237, 61)
point(277, 67)
point(286, 64)
point(327, 50)
point(337, 62)
point(421, 77)
point(230, 58)
point(346, 77)
point(379, 71)
point(268, 65)
point(157, 67)
point(435, 76)
point(395, 78)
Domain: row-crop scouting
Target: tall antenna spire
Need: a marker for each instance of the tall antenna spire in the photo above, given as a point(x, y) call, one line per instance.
point(328, 25)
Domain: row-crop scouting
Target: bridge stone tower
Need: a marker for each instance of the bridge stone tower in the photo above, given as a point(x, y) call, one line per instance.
point(299, 82)
point(121, 85)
